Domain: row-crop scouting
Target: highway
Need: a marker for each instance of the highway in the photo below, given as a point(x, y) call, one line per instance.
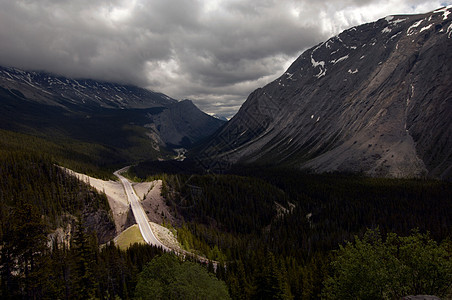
point(143, 222)
point(138, 212)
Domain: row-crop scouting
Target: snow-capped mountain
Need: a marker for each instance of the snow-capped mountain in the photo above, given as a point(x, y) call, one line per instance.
point(376, 98)
point(50, 89)
point(110, 114)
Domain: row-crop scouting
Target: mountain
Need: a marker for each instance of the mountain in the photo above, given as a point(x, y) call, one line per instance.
point(183, 123)
point(135, 122)
point(376, 99)
point(56, 90)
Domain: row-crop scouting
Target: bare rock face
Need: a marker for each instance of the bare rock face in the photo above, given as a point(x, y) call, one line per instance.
point(375, 99)
point(101, 223)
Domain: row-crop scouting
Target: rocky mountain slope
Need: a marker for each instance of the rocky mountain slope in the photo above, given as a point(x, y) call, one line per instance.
point(115, 115)
point(376, 98)
point(56, 90)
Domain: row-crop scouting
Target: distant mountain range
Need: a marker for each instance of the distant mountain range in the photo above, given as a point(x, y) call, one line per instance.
point(375, 99)
point(138, 121)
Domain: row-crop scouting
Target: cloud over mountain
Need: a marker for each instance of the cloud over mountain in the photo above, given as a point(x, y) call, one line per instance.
point(215, 52)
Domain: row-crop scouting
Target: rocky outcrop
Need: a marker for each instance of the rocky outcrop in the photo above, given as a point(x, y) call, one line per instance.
point(101, 223)
point(375, 99)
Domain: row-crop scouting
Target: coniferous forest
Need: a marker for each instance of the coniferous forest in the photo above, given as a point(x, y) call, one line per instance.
point(274, 234)
point(281, 228)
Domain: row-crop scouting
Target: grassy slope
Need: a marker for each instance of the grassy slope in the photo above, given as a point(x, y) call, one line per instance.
point(129, 237)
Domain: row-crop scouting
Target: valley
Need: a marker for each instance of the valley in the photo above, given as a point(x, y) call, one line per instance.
point(331, 182)
point(255, 221)
point(117, 124)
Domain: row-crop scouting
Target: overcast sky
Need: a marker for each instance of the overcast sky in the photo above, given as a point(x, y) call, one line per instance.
point(214, 52)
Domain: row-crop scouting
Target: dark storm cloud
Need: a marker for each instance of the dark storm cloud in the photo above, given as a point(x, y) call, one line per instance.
point(77, 38)
point(215, 52)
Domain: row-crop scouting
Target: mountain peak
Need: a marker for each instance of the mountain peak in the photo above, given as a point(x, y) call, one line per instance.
point(375, 99)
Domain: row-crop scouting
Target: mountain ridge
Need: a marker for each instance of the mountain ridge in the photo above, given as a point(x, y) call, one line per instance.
point(374, 99)
point(137, 122)
point(90, 92)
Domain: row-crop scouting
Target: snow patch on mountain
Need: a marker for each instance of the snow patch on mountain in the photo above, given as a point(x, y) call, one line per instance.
point(426, 28)
point(335, 61)
point(410, 30)
point(445, 11)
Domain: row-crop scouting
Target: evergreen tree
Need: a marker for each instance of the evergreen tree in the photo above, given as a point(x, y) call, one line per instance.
point(24, 252)
point(85, 283)
point(371, 268)
point(9, 283)
point(270, 283)
point(166, 277)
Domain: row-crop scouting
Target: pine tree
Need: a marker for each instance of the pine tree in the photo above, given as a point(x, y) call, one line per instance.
point(85, 283)
point(270, 283)
point(24, 252)
point(7, 261)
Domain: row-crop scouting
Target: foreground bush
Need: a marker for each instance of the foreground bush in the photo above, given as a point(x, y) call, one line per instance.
point(371, 268)
point(166, 277)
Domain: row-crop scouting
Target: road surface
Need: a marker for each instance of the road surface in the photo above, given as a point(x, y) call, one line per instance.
point(138, 212)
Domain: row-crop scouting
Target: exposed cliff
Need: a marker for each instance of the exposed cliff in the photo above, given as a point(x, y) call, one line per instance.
point(376, 99)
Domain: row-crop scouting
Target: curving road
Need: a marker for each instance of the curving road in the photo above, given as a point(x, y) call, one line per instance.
point(138, 212)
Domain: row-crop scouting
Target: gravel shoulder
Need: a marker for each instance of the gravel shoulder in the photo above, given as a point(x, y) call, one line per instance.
point(154, 204)
point(165, 236)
